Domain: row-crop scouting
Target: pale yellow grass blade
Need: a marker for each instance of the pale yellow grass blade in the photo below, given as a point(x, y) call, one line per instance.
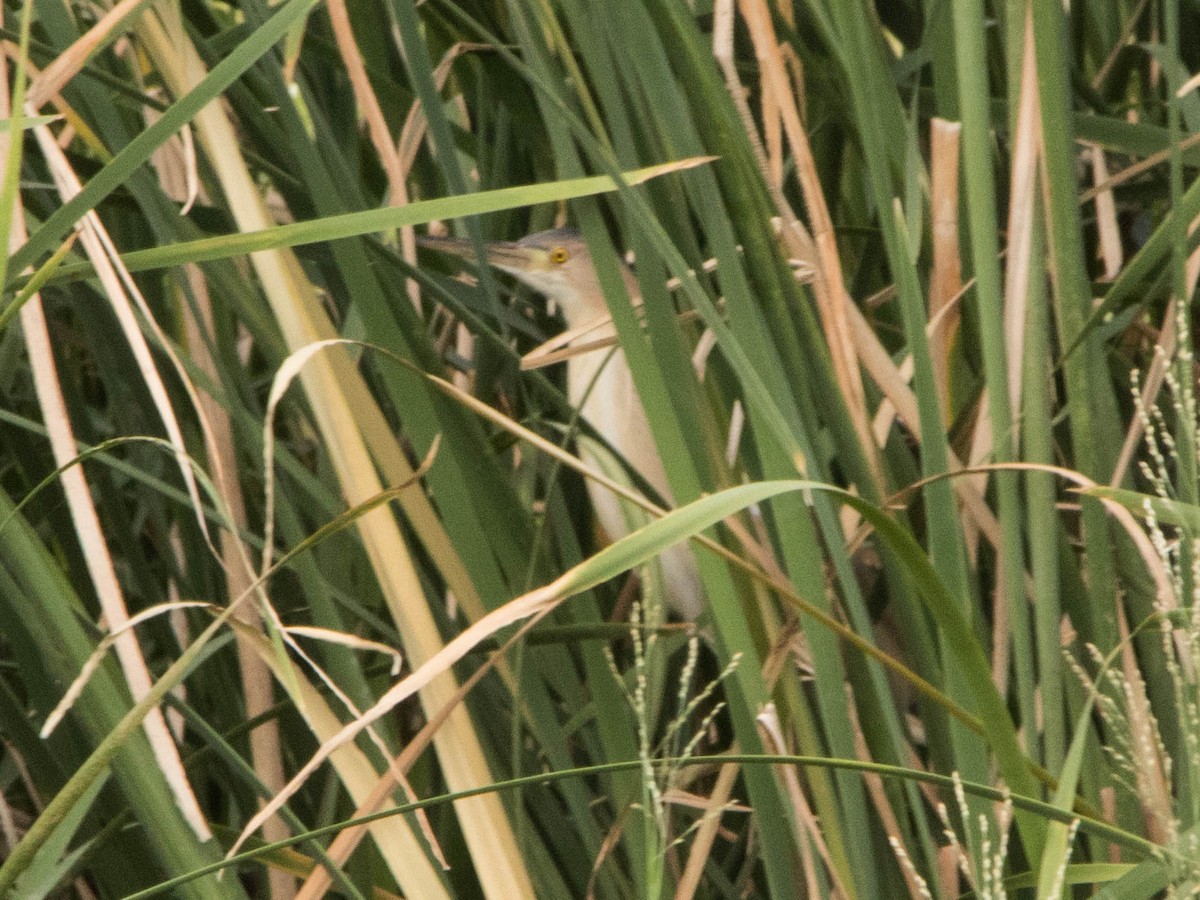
point(1027, 149)
point(331, 385)
point(348, 839)
point(532, 605)
point(352, 641)
point(406, 854)
point(97, 558)
point(945, 281)
point(1112, 257)
point(75, 688)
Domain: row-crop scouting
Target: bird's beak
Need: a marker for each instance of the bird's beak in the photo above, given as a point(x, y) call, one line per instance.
point(508, 256)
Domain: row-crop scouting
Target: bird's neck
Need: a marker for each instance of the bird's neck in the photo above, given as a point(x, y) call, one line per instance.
point(583, 308)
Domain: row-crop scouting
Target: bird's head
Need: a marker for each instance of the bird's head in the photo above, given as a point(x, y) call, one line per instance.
point(554, 263)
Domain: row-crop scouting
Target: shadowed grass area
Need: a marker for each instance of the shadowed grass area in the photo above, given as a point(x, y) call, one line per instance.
point(294, 527)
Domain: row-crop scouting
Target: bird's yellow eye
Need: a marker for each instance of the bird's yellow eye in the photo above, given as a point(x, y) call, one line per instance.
point(559, 255)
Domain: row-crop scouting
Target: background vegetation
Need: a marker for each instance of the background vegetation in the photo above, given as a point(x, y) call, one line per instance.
point(926, 343)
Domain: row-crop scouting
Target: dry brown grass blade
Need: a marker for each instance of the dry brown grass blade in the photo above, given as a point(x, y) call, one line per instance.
point(1120, 43)
point(533, 605)
point(883, 806)
point(1112, 257)
point(344, 844)
point(266, 754)
point(367, 102)
point(1164, 352)
point(543, 356)
point(1153, 791)
point(706, 832)
point(175, 162)
point(800, 250)
point(806, 824)
point(1027, 149)
point(390, 157)
point(888, 412)
point(982, 443)
point(415, 124)
point(828, 282)
point(68, 63)
point(85, 519)
point(1188, 86)
point(404, 853)
point(885, 415)
point(612, 840)
point(96, 658)
point(1144, 165)
point(945, 279)
point(878, 362)
point(948, 871)
point(772, 125)
point(945, 289)
point(77, 126)
point(567, 345)
point(723, 53)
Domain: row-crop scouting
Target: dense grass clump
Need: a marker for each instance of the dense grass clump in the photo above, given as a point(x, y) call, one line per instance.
point(298, 559)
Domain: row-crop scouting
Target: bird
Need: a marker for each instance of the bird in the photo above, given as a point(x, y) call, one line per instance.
point(558, 265)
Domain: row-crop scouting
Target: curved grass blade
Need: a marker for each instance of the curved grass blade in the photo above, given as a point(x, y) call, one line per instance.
point(139, 150)
point(332, 228)
point(679, 525)
point(1101, 829)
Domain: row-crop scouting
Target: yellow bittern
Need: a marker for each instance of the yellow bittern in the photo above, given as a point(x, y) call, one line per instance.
point(558, 265)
